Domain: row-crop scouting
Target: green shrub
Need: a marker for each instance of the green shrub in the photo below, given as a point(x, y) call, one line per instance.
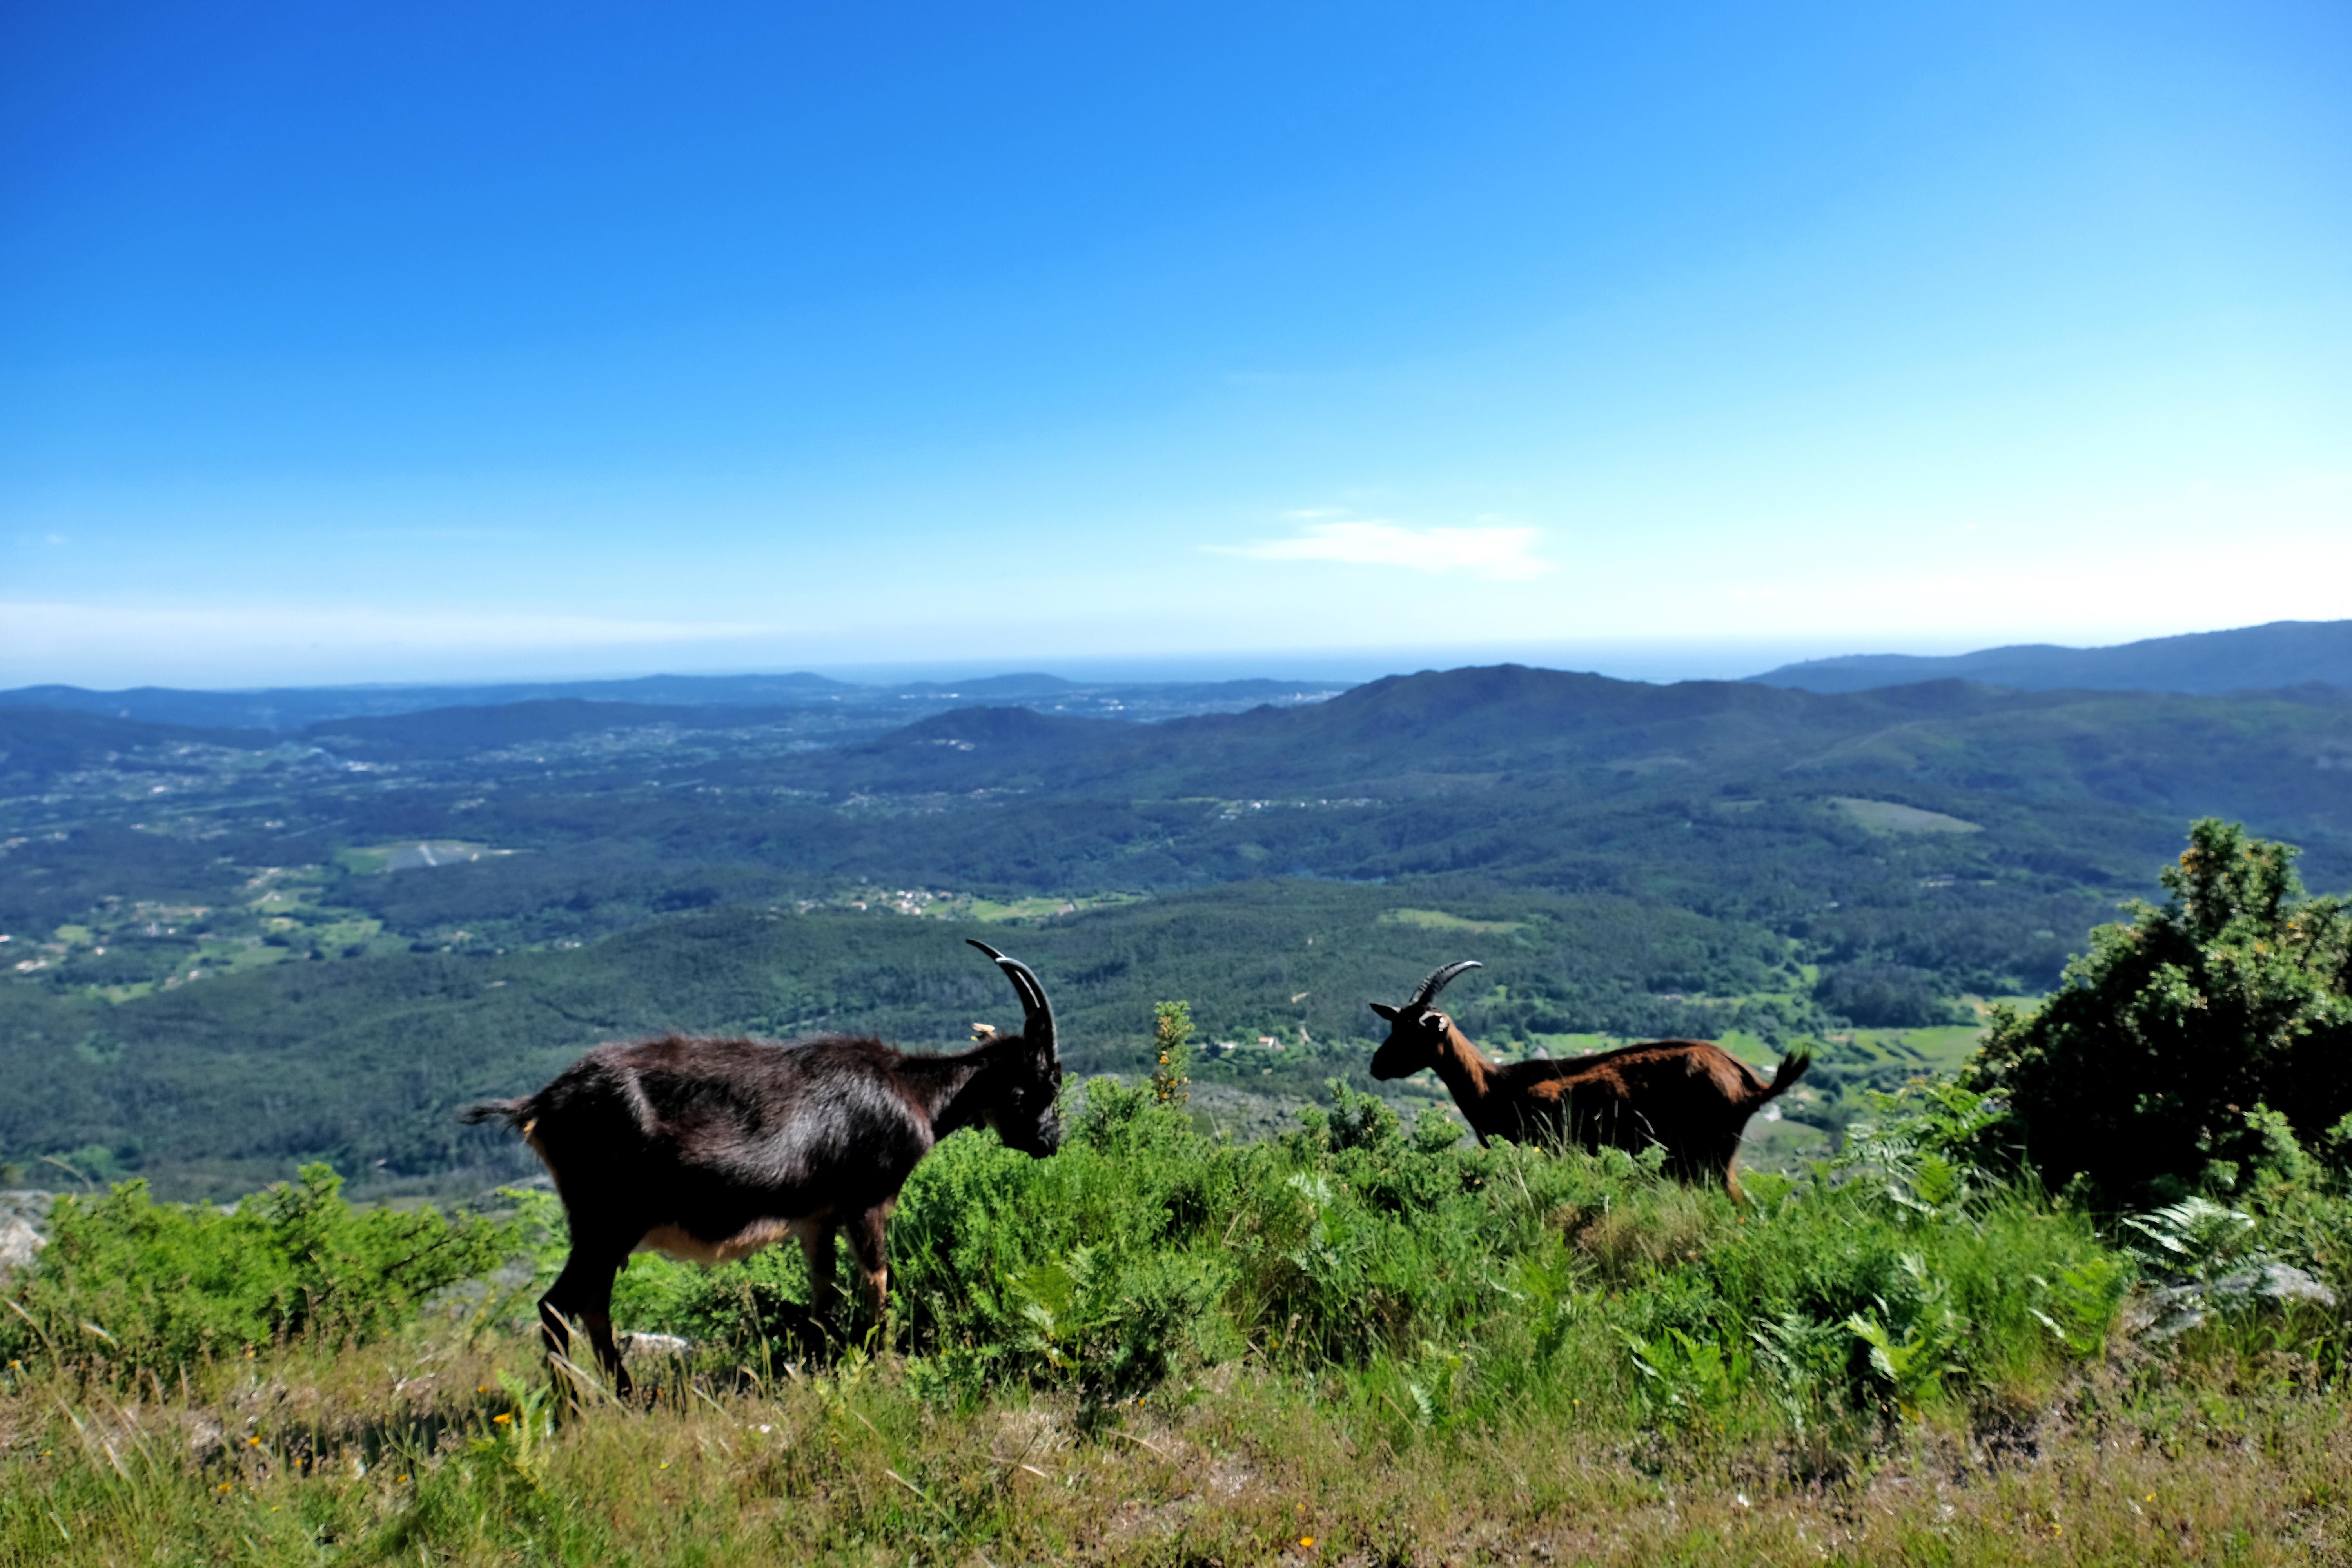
point(2137, 1074)
point(153, 1287)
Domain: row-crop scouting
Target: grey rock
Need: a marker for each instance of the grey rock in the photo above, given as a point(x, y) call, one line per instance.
point(2277, 1281)
point(654, 1347)
point(2177, 1309)
point(19, 1245)
point(23, 1227)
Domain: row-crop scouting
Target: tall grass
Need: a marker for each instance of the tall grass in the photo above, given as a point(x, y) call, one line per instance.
point(1448, 1285)
point(439, 1446)
point(1361, 1339)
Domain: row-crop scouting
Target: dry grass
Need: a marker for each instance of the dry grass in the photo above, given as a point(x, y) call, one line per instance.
point(1628, 1244)
point(400, 1456)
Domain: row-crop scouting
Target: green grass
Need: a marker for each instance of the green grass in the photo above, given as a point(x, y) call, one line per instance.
point(1439, 920)
point(1891, 817)
point(1356, 1343)
point(401, 1456)
point(1940, 1049)
point(370, 859)
point(1003, 909)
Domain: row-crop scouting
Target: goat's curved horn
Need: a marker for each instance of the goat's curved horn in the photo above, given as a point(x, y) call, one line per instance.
point(1438, 980)
point(1037, 1013)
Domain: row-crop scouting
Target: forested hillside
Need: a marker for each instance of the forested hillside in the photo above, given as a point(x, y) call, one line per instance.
point(229, 950)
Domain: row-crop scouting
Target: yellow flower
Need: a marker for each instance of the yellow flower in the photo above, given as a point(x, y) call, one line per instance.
point(253, 1442)
point(1307, 1541)
point(502, 1417)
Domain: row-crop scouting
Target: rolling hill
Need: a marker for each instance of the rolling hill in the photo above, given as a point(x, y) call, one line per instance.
point(2245, 659)
point(232, 948)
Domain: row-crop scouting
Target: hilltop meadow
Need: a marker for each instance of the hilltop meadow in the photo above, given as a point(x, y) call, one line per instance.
point(1363, 1340)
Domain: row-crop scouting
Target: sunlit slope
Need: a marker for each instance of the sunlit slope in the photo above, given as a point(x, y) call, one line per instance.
point(1440, 731)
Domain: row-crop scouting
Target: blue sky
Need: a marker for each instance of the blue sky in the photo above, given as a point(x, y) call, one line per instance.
point(382, 342)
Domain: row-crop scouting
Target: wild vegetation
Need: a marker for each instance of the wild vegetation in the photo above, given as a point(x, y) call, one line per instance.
point(1362, 1341)
point(2137, 1076)
point(1368, 1339)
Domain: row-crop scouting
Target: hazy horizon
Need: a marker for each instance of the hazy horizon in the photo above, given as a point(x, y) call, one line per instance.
point(1662, 661)
point(1657, 662)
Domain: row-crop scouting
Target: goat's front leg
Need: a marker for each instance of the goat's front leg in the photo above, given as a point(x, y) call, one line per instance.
point(583, 1293)
point(869, 1244)
point(815, 1236)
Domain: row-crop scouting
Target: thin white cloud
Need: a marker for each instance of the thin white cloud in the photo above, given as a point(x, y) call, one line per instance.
point(1501, 553)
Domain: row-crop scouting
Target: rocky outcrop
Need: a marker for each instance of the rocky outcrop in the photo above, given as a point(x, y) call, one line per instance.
point(24, 1218)
point(2176, 1308)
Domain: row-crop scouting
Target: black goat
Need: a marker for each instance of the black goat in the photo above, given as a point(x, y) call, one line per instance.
point(710, 1150)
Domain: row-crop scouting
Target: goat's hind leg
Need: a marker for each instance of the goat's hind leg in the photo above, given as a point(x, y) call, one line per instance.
point(583, 1293)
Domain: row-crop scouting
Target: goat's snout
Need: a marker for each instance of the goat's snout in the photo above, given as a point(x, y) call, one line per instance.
point(1041, 1140)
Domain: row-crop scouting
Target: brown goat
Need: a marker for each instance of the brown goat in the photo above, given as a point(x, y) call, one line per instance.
point(1690, 1097)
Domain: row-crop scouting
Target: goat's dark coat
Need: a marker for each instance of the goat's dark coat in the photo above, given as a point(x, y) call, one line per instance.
point(711, 1149)
point(1691, 1098)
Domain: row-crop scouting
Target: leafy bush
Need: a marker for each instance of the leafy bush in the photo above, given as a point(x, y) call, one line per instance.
point(153, 1286)
point(2137, 1074)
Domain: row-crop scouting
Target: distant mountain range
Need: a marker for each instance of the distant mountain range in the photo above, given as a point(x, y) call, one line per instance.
point(2280, 758)
point(2248, 659)
point(293, 708)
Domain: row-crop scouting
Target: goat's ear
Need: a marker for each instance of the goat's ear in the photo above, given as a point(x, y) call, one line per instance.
point(1384, 1010)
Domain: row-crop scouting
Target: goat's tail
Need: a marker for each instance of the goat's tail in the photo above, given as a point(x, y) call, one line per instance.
point(1792, 1067)
point(513, 1112)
